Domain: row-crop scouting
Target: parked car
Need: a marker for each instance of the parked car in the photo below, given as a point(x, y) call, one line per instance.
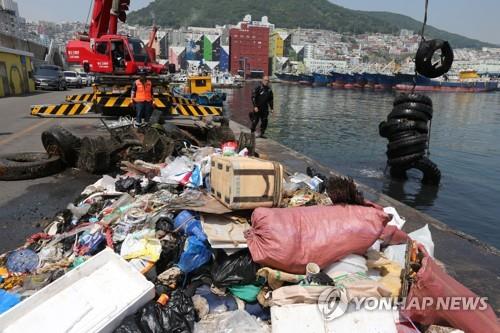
point(85, 79)
point(49, 77)
point(73, 79)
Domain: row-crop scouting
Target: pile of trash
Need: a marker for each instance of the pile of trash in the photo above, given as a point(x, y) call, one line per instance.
point(212, 239)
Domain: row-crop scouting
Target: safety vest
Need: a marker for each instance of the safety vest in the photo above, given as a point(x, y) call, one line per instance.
point(143, 92)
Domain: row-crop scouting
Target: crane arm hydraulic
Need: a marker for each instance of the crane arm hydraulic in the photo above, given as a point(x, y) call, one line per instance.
point(105, 16)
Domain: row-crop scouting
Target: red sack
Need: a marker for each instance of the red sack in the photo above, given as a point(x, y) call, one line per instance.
point(394, 236)
point(289, 238)
point(433, 284)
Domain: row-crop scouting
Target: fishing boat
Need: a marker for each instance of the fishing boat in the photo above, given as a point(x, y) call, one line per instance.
point(306, 79)
point(371, 80)
point(338, 80)
point(467, 81)
point(449, 86)
point(349, 81)
point(359, 81)
point(225, 80)
point(384, 81)
point(288, 77)
point(320, 79)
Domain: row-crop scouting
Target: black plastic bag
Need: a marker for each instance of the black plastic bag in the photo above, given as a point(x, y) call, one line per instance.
point(178, 316)
point(150, 319)
point(128, 325)
point(128, 184)
point(235, 269)
point(165, 222)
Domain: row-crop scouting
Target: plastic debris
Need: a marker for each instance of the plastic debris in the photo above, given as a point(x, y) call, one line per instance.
point(232, 322)
point(8, 300)
point(229, 148)
point(236, 269)
point(190, 224)
point(169, 214)
point(22, 261)
point(141, 245)
point(248, 292)
point(196, 253)
point(423, 235)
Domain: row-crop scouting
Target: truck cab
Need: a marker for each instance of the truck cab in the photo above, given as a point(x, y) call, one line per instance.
point(111, 54)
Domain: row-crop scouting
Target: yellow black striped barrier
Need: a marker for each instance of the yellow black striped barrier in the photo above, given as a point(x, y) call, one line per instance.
point(196, 110)
point(64, 109)
point(176, 100)
point(160, 101)
point(114, 101)
point(80, 98)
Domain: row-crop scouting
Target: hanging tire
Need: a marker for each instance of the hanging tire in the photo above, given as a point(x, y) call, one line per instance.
point(430, 171)
point(405, 160)
point(94, 155)
point(29, 165)
point(414, 140)
point(394, 153)
point(412, 98)
point(59, 141)
point(398, 172)
point(409, 114)
point(388, 129)
point(403, 135)
point(415, 106)
point(432, 174)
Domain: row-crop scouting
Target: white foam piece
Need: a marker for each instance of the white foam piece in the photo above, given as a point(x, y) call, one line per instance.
point(94, 297)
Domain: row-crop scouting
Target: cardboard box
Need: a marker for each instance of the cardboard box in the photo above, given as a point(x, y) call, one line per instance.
point(246, 182)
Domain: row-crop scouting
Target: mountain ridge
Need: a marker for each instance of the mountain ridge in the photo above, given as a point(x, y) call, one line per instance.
point(315, 14)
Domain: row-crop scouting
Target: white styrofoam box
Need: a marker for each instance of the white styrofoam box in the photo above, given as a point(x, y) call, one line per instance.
point(307, 318)
point(94, 297)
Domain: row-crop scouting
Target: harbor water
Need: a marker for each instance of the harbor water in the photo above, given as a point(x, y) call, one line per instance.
point(339, 128)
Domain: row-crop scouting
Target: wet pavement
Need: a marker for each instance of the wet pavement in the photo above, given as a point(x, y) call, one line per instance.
point(24, 205)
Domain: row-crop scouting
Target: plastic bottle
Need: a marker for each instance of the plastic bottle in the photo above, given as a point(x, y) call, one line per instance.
point(117, 209)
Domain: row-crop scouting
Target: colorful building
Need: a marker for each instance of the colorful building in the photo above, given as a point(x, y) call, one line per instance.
point(249, 50)
point(224, 59)
point(276, 50)
point(15, 72)
point(176, 56)
point(276, 43)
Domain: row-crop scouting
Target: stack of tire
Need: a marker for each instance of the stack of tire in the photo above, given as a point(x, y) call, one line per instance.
point(407, 129)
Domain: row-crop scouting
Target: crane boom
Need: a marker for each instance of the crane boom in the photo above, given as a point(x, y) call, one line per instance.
point(99, 25)
point(105, 51)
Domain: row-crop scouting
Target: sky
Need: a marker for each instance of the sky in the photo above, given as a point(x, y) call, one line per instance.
point(472, 18)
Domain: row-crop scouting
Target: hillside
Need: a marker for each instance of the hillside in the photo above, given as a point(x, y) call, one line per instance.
point(405, 22)
point(318, 14)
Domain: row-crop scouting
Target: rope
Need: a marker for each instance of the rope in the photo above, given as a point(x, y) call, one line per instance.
point(422, 39)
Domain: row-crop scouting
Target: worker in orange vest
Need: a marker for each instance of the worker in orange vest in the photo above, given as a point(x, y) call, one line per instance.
point(142, 96)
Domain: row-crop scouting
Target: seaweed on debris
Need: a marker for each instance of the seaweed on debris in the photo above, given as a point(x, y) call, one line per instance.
point(343, 190)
